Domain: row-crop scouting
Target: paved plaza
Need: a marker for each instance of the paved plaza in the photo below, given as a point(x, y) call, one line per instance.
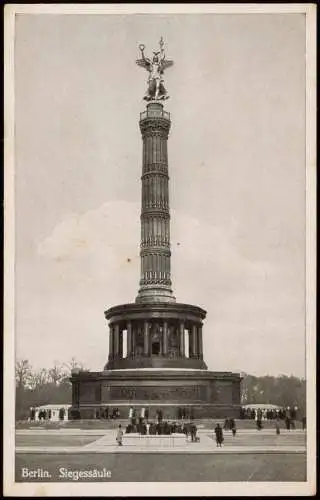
point(103, 441)
point(249, 456)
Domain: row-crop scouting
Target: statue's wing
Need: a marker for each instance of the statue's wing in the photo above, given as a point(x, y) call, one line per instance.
point(144, 63)
point(167, 63)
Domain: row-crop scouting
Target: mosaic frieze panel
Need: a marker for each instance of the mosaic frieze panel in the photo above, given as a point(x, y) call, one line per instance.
point(89, 392)
point(194, 393)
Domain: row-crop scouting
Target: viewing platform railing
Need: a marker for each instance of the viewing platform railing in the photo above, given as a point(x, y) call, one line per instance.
point(155, 113)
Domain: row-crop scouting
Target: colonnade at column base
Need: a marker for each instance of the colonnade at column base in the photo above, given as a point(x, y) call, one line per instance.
point(155, 334)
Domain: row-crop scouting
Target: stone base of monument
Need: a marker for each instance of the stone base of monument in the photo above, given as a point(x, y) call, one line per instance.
point(174, 392)
point(138, 440)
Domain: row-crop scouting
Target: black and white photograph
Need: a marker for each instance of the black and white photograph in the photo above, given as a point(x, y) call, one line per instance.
point(159, 244)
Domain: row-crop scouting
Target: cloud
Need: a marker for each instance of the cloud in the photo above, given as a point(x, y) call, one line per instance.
point(102, 246)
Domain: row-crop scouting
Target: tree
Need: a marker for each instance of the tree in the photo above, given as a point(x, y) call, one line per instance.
point(23, 373)
point(281, 390)
point(57, 374)
point(39, 378)
point(74, 364)
point(44, 386)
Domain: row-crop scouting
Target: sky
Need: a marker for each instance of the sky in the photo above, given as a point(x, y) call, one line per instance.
point(237, 181)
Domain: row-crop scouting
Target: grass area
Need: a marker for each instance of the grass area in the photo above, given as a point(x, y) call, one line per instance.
point(71, 424)
point(180, 467)
point(49, 440)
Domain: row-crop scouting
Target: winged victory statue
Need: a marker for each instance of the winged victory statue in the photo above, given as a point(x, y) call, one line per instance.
point(156, 68)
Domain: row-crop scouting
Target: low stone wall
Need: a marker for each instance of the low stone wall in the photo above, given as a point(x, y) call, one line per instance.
point(163, 441)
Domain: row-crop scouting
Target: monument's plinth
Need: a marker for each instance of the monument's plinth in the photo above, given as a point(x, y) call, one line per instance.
point(191, 392)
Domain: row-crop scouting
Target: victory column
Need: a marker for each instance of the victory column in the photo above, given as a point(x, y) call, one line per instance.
point(156, 373)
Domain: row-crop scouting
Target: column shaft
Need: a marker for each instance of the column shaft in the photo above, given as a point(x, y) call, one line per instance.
point(200, 342)
point(182, 346)
point(120, 343)
point(146, 338)
point(134, 330)
point(194, 341)
point(155, 248)
point(129, 339)
point(190, 342)
point(116, 340)
point(111, 353)
point(165, 338)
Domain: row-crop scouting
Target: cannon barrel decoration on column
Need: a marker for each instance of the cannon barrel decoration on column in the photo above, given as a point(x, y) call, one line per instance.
point(157, 368)
point(155, 282)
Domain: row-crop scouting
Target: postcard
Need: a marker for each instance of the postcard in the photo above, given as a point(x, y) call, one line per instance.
point(160, 242)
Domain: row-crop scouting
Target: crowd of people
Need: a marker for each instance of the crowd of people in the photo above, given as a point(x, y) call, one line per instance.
point(162, 428)
point(166, 428)
point(269, 413)
point(288, 415)
point(266, 414)
point(140, 424)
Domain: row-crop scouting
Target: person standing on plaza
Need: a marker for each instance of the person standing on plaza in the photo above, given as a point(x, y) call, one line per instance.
point(293, 416)
point(119, 435)
point(233, 427)
point(131, 414)
point(277, 425)
point(187, 430)
point(259, 419)
point(193, 432)
point(219, 435)
point(288, 423)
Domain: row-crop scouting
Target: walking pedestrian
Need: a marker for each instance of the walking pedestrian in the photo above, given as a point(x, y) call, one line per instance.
point(219, 435)
point(233, 427)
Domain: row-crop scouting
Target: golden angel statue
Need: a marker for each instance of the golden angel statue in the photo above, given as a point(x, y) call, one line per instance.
point(156, 90)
